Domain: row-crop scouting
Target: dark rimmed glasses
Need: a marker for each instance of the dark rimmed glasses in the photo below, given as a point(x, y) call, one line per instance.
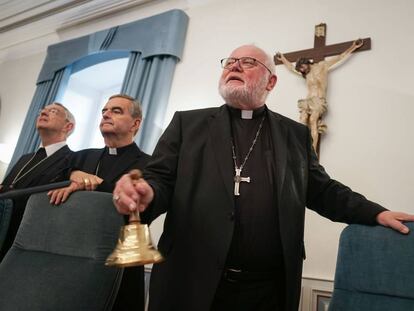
point(244, 62)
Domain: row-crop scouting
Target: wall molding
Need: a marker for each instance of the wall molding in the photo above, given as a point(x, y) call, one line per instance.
point(101, 10)
point(77, 11)
point(37, 13)
point(23, 27)
point(314, 288)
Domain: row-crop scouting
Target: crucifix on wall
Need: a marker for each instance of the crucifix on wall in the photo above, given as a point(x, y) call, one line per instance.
point(311, 65)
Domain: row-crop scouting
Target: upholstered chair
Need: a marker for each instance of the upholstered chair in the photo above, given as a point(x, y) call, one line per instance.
point(375, 270)
point(57, 261)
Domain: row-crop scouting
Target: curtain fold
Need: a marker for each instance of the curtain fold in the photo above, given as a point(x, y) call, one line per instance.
point(162, 34)
point(29, 139)
point(149, 81)
point(155, 45)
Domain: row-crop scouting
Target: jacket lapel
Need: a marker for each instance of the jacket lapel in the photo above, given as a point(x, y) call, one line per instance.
point(279, 138)
point(16, 169)
point(52, 167)
point(220, 135)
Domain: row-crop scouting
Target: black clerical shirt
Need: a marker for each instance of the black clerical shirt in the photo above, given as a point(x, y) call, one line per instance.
point(109, 166)
point(256, 242)
point(109, 161)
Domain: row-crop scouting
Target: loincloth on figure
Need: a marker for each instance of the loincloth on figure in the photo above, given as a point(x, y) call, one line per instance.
point(314, 105)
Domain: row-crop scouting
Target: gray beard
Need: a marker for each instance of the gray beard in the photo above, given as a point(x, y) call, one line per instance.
point(253, 95)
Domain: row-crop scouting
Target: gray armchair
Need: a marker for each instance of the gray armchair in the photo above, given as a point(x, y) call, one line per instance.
point(374, 271)
point(57, 259)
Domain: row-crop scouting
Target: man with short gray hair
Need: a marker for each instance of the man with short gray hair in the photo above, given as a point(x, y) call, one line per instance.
point(47, 165)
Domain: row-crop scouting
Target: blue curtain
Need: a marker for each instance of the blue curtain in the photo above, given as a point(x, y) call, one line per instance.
point(149, 80)
point(29, 139)
point(155, 45)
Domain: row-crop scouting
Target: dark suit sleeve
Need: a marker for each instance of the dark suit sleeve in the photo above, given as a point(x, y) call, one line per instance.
point(161, 171)
point(85, 160)
point(63, 169)
point(106, 186)
point(80, 161)
point(334, 200)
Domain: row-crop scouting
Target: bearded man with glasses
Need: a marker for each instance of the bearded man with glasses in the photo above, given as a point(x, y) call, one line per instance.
point(234, 182)
point(47, 165)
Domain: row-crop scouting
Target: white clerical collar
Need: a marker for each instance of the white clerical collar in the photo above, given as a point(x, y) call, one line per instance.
point(51, 149)
point(246, 114)
point(112, 151)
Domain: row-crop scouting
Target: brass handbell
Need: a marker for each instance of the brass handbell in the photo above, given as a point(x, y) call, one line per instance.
point(134, 247)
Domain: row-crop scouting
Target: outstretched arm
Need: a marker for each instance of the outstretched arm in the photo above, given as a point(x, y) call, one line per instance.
point(344, 55)
point(287, 63)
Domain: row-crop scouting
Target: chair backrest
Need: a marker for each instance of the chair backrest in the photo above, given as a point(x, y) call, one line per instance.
point(375, 270)
point(6, 206)
point(57, 259)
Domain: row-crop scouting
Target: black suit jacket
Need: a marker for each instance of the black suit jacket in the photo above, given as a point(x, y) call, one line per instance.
point(191, 172)
point(52, 169)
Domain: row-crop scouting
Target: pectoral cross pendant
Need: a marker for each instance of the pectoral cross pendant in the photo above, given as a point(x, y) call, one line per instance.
point(238, 179)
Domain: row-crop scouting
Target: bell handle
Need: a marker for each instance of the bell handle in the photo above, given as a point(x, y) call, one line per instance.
point(134, 217)
point(135, 175)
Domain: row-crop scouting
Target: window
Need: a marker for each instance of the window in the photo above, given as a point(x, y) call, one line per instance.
point(86, 93)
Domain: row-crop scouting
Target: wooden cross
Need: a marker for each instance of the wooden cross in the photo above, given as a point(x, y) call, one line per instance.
point(320, 50)
point(318, 53)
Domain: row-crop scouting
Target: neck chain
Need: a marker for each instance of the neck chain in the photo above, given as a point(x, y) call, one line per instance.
point(237, 177)
point(18, 177)
point(97, 168)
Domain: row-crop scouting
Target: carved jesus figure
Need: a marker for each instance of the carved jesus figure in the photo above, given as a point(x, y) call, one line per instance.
point(313, 107)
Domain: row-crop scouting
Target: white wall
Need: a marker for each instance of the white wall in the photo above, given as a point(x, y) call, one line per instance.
point(369, 145)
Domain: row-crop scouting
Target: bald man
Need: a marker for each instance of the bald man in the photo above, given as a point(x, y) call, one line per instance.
point(234, 182)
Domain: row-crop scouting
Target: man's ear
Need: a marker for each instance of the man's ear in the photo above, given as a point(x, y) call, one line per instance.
point(136, 125)
point(69, 126)
point(271, 82)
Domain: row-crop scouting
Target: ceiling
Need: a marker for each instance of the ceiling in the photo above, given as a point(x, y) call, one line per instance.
point(28, 26)
point(17, 13)
point(20, 13)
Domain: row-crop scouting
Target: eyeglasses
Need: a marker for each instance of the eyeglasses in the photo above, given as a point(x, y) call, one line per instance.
point(52, 111)
point(244, 62)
